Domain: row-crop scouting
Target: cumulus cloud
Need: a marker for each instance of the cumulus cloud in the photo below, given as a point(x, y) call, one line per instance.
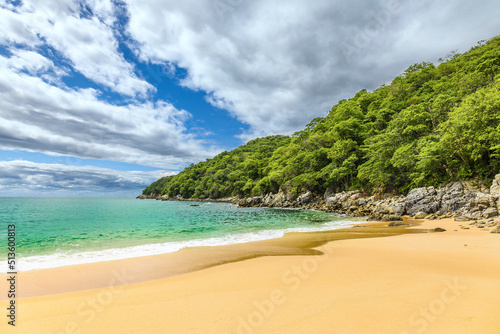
point(83, 33)
point(38, 112)
point(273, 65)
point(23, 177)
point(276, 64)
point(38, 116)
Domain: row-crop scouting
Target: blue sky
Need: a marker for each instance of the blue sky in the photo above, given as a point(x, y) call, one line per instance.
point(100, 98)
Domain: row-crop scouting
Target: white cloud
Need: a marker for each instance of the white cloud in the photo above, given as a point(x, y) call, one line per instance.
point(272, 64)
point(276, 64)
point(88, 43)
point(38, 116)
point(21, 177)
point(36, 65)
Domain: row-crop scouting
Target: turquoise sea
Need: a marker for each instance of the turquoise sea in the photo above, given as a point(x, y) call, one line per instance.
point(52, 232)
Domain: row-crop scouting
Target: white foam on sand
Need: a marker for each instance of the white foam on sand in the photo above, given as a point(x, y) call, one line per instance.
point(60, 259)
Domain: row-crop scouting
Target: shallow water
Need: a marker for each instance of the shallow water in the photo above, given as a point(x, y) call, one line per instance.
point(52, 232)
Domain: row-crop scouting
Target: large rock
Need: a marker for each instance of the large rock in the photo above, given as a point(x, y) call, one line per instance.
point(390, 217)
point(484, 200)
point(495, 187)
point(473, 215)
point(274, 200)
point(422, 200)
point(482, 206)
point(454, 197)
point(305, 198)
point(490, 212)
point(340, 200)
point(251, 201)
point(421, 215)
point(387, 209)
point(397, 223)
point(395, 205)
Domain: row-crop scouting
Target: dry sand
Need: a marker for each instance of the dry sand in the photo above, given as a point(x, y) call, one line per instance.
point(412, 283)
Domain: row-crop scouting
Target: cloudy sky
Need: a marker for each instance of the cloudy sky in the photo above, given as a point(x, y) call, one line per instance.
point(100, 98)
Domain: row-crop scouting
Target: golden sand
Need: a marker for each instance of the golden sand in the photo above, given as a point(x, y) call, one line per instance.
point(380, 282)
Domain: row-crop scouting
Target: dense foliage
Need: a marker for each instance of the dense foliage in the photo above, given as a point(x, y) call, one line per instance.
point(432, 124)
point(234, 173)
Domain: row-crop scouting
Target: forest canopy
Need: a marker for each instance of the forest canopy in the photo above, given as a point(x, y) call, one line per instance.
point(431, 125)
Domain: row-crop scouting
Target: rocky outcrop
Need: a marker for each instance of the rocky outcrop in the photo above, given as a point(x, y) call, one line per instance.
point(251, 201)
point(458, 198)
point(422, 200)
point(495, 187)
point(454, 197)
point(462, 200)
point(305, 198)
point(354, 203)
point(388, 209)
point(484, 204)
point(490, 212)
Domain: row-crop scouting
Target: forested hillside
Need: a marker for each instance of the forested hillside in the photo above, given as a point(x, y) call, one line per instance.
point(431, 125)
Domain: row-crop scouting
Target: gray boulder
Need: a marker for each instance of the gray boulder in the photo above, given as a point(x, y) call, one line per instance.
point(422, 200)
point(490, 212)
point(268, 199)
point(483, 200)
point(305, 198)
point(251, 201)
point(437, 229)
point(421, 215)
point(340, 200)
point(473, 215)
point(396, 205)
point(495, 187)
point(390, 217)
point(398, 223)
point(274, 200)
point(454, 197)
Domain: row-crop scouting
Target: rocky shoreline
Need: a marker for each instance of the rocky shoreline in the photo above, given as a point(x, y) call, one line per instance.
point(461, 200)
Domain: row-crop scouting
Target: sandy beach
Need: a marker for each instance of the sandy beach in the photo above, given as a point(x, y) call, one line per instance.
point(381, 281)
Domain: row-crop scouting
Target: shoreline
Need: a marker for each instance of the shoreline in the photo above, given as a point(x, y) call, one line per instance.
point(94, 275)
point(416, 282)
point(51, 261)
point(135, 238)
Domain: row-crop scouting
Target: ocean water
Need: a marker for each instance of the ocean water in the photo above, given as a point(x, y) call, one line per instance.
point(52, 232)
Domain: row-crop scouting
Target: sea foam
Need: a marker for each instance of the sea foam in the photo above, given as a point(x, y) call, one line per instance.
point(60, 259)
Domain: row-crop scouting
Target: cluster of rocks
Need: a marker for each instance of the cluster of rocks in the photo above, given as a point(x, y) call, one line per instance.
point(490, 225)
point(462, 200)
